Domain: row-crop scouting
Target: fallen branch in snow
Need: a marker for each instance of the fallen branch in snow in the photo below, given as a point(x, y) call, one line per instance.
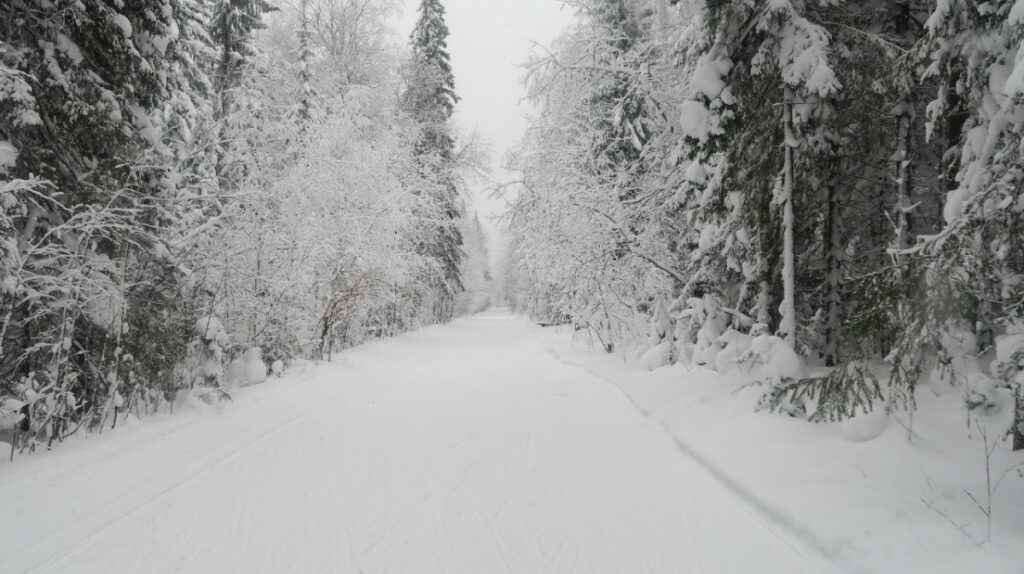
point(961, 527)
point(755, 383)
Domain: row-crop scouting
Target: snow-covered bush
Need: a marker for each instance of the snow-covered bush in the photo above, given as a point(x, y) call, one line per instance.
point(248, 369)
point(657, 356)
point(207, 356)
point(735, 353)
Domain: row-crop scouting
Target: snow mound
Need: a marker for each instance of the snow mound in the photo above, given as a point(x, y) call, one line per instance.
point(122, 22)
point(735, 351)
point(8, 155)
point(863, 427)
point(656, 356)
point(249, 369)
point(10, 413)
point(777, 361)
point(211, 329)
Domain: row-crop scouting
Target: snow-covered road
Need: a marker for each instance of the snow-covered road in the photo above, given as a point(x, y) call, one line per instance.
point(466, 448)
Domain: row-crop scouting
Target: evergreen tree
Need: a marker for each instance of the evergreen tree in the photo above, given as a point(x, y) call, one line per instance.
point(185, 191)
point(971, 49)
point(232, 27)
point(87, 91)
point(430, 100)
point(475, 271)
point(306, 92)
point(430, 97)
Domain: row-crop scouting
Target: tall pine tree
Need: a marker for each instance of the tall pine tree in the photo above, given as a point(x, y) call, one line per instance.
point(233, 25)
point(306, 92)
point(430, 100)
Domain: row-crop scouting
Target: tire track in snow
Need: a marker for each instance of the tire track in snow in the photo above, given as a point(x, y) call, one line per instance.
point(139, 440)
point(94, 467)
point(230, 453)
point(775, 520)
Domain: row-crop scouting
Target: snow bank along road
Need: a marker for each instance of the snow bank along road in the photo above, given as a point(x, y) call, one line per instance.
point(466, 448)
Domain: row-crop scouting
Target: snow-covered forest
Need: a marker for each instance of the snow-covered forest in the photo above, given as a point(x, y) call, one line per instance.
point(790, 231)
point(829, 192)
point(192, 190)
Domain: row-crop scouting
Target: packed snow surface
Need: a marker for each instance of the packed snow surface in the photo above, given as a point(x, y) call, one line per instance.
point(464, 448)
point(878, 493)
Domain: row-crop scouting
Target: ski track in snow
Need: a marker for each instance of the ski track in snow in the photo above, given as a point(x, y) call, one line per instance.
point(463, 448)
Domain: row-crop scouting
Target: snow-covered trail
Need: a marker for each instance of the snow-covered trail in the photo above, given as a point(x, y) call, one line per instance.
point(464, 448)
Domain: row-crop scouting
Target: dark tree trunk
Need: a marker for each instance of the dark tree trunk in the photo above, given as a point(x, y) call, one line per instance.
point(832, 269)
point(1018, 419)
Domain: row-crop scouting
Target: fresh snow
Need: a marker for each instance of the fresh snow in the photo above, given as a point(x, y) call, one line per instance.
point(121, 22)
point(858, 491)
point(8, 155)
point(464, 448)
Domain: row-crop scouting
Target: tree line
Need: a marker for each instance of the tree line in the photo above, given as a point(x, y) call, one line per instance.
point(189, 183)
point(736, 179)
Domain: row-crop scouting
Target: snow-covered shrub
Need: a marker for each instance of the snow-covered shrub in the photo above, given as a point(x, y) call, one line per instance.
point(736, 352)
point(248, 369)
point(707, 324)
point(657, 356)
point(206, 359)
point(861, 426)
point(37, 411)
point(774, 360)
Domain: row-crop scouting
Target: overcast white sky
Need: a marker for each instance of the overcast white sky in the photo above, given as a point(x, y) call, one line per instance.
point(488, 40)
